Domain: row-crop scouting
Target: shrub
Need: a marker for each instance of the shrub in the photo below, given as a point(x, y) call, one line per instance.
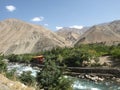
point(11, 74)
point(3, 65)
point(13, 58)
point(27, 78)
point(50, 78)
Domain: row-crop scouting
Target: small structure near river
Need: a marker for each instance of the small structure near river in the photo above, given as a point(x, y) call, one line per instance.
point(38, 59)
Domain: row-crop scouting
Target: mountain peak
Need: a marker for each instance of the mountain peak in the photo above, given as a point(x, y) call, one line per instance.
point(19, 37)
point(71, 34)
point(12, 20)
point(108, 33)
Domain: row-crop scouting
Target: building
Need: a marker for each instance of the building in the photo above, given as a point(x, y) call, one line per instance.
point(38, 59)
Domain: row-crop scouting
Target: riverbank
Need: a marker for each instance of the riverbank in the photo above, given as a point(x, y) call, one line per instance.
point(92, 73)
point(6, 84)
point(86, 84)
point(82, 81)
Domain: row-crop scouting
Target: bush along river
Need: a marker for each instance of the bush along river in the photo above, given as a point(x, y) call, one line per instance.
point(83, 82)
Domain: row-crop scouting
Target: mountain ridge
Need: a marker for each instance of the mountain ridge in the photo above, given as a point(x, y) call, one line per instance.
point(20, 37)
point(108, 33)
point(71, 34)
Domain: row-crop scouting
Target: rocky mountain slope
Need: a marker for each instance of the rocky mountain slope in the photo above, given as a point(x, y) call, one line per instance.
point(20, 37)
point(71, 34)
point(6, 84)
point(108, 33)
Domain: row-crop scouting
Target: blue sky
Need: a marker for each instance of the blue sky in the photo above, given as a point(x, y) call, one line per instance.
point(61, 13)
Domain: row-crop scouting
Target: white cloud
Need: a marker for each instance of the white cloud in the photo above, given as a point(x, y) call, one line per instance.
point(37, 19)
point(57, 27)
point(10, 8)
point(46, 24)
point(76, 26)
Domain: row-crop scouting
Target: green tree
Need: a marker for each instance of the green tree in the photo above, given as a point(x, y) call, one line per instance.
point(3, 65)
point(50, 78)
point(11, 74)
point(13, 58)
point(27, 78)
point(115, 53)
point(60, 60)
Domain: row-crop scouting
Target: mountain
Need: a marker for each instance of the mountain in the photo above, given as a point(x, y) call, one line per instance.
point(19, 37)
point(71, 35)
point(108, 33)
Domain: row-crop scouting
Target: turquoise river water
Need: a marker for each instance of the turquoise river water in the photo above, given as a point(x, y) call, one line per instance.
point(84, 84)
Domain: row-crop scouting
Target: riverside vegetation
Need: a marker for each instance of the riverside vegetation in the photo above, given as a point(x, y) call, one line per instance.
point(74, 56)
point(51, 77)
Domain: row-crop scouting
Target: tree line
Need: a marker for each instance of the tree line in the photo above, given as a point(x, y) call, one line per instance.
point(74, 56)
point(51, 77)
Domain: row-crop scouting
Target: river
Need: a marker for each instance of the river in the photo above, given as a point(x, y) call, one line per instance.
point(85, 84)
point(79, 84)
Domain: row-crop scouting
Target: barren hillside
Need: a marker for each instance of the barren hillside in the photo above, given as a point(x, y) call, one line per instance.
point(20, 37)
point(71, 35)
point(105, 33)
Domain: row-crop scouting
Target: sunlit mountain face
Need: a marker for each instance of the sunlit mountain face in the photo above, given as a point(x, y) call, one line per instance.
point(19, 37)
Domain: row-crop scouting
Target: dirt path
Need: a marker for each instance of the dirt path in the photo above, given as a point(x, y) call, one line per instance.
point(105, 60)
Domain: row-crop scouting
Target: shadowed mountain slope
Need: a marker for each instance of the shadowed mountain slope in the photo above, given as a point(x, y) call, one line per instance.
point(71, 35)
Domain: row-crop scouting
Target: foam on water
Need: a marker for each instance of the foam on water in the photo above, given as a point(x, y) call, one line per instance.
point(20, 68)
point(79, 86)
